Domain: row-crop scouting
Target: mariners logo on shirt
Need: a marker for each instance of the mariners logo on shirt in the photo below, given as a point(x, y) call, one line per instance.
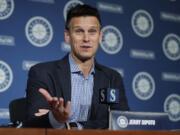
point(142, 23)
point(69, 5)
point(112, 40)
point(172, 107)
point(122, 121)
point(39, 31)
point(171, 46)
point(6, 76)
point(6, 8)
point(143, 85)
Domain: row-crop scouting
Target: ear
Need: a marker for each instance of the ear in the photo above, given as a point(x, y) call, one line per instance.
point(100, 36)
point(66, 36)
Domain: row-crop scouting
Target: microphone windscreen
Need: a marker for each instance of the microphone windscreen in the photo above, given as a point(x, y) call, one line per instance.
point(109, 96)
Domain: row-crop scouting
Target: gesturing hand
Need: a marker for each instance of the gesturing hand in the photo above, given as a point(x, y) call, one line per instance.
point(60, 111)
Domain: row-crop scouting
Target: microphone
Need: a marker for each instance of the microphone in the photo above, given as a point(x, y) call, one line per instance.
point(109, 96)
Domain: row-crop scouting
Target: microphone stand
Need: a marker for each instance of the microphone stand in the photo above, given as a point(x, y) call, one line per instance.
point(109, 106)
point(109, 110)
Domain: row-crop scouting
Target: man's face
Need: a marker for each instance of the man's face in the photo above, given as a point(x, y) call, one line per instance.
point(84, 36)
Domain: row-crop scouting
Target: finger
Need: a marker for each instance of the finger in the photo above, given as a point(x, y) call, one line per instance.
point(68, 107)
point(43, 111)
point(61, 102)
point(61, 105)
point(38, 114)
point(67, 110)
point(47, 96)
point(55, 103)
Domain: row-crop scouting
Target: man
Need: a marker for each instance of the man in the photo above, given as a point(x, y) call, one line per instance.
point(69, 88)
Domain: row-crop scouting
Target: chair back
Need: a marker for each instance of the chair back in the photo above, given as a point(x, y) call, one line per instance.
point(17, 110)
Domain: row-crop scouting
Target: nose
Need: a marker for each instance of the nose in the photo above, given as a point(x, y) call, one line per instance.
point(86, 37)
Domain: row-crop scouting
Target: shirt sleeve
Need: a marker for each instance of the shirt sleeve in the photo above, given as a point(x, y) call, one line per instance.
point(54, 123)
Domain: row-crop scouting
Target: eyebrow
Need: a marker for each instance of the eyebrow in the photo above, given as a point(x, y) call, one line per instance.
point(96, 27)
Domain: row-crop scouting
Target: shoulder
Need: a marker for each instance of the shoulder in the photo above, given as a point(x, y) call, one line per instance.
point(45, 66)
point(107, 70)
point(50, 65)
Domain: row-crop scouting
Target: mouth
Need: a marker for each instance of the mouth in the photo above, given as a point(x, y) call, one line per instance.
point(86, 46)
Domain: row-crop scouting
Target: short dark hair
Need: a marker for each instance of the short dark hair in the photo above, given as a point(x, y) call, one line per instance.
point(82, 10)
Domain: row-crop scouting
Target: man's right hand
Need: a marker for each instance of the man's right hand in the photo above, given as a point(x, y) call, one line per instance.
point(60, 111)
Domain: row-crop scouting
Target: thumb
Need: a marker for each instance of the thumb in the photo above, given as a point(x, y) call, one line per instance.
point(45, 93)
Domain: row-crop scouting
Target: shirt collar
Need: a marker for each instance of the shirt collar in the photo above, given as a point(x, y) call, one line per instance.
point(74, 67)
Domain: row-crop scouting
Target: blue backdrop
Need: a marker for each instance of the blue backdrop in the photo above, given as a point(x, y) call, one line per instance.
point(141, 40)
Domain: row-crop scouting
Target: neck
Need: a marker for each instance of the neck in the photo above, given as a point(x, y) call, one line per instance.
point(84, 65)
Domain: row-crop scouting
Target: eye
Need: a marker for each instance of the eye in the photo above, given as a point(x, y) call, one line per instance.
point(92, 31)
point(78, 31)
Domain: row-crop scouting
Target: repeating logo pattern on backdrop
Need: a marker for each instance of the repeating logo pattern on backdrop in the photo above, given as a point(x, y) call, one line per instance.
point(6, 76)
point(6, 8)
point(172, 107)
point(69, 5)
point(150, 38)
point(143, 85)
point(142, 23)
point(171, 46)
point(112, 40)
point(39, 31)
